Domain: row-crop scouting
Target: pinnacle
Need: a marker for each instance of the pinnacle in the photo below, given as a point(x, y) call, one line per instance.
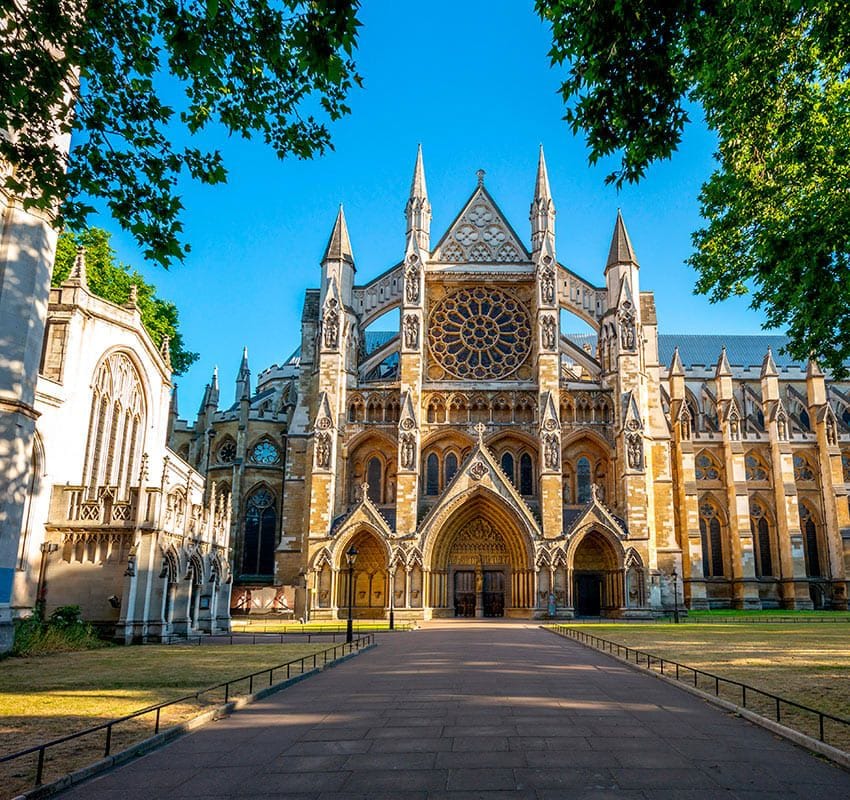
point(541, 186)
point(723, 367)
point(77, 275)
point(768, 366)
point(621, 251)
point(339, 245)
point(676, 367)
point(418, 188)
point(813, 370)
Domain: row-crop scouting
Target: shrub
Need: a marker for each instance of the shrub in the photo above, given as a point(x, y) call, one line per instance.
point(65, 631)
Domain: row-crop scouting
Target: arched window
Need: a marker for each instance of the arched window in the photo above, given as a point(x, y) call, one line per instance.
point(583, 480)
point(116, 426)
point(756, 469)
point(761, 540)
point(450, 468)
point(432, 475)
point(706, 468)
point(526, 475)
point(373, 478)
point(803, 470)
point(259, 541)
point(507, 465)
point(711, 535)
point(810, 537)
point(805, 423)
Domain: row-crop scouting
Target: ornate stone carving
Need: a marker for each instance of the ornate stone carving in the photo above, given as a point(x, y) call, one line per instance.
point(548, 333)
point(478, 470)
point(634, 450)
point(411, 331)
point(627, 331)
point(551, 451)
point(323, 450)
point(408, 451)
point(547, 282)
point(481, 333)
point(330, 324)
point(412, 278)
point(478, 543)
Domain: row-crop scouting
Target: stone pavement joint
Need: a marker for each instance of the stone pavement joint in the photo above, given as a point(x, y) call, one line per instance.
point(487, 710)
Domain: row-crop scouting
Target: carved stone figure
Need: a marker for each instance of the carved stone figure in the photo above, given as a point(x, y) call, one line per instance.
point(634, 450)
point(627, 331)
point(411, 331)
point(330, 324)
point(547, 285)
point(323, 450)
point(551, 451)
point(548, 333)
point(408, 451)
point(411, 280)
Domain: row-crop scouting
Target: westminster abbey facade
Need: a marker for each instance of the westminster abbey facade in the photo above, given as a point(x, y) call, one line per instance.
point(483, 461)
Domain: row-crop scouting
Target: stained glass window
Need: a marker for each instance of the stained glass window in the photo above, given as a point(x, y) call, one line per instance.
point(260, 535)
point(265, 453)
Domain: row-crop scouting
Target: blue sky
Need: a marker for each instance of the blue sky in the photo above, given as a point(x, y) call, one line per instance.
point(471, 81)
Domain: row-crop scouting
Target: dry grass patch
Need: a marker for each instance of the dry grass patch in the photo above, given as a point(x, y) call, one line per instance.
point(47, 697)
point(808, 663)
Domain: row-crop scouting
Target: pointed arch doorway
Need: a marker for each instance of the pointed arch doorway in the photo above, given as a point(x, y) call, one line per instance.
point(480, 563)
point(598, 576)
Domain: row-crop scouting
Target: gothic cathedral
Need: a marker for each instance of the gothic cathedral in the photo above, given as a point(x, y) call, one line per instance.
point(483, 461)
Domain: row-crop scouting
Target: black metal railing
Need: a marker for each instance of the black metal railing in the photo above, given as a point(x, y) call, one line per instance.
point(297, 666)
point(810, 721)
point(317, 629)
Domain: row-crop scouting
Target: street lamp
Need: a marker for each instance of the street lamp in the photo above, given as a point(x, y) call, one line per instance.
point(675, 597)
point(392, 600)
point(350, 557)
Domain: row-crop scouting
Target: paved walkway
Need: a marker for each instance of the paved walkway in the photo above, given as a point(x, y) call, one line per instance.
point(477, 710)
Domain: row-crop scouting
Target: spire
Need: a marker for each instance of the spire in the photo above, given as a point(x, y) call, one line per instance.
point(723, 368)
point(621, 251)
point(77, 276)
point(418, 209)
point(212, 394)
point(676, 367)
point(339, 245)
point(768, 367)
point(542, 214)
point(243, 378)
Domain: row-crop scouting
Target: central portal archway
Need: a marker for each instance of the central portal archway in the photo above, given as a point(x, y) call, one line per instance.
point(480, 563)
point(598, 577)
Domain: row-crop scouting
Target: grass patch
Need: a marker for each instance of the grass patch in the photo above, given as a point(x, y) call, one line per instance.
point(731, 613)
point(806, 663)
point(50, 696)
point(260, 625)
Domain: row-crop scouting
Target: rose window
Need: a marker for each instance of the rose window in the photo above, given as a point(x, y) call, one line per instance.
point(479, 333)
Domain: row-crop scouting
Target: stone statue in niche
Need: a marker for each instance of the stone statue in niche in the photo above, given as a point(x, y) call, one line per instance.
point(734, 427)
point(323, 450)
point(547, 285)
point(411, 279)
point(627, 331)
point(549, 333)
point(831, 433)
point(551, 451)
point(782, 427)
point(408, 451)
point(411, 331)
point(634, 450)
point(330, 324)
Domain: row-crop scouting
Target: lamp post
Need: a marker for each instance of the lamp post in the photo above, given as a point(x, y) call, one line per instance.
point(675, 597)
point(350, 557)
point(392, 600)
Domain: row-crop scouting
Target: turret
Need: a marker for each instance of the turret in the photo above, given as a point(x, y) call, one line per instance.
point(769, 378)
point(622, 265)
point(677, 377)
point(542, 214)
point(417, 212)
point(723, 377)
point(243, 378)
point(338, 260)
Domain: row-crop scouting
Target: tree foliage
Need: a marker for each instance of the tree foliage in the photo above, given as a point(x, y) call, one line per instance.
point(110, 279)
point(279, 69)
point(773, 79)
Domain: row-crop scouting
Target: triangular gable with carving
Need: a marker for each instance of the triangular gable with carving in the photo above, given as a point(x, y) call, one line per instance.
point(480, 470)
point(363, 513)
point(481, 234)
point(596, 513)
point(549, 417)
point(631, 413)
point(324, 419)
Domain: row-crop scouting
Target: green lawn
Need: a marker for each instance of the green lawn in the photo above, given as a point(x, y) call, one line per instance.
point(808, 663)
point(50, 696)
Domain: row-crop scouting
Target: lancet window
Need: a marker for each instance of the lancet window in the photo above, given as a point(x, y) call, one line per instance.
point(761, 530)
point(260, 533)
point(811, 537)
point(711, 536)
point(116, 426)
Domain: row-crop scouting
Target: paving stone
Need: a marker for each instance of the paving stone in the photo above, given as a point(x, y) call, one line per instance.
point(486, 710)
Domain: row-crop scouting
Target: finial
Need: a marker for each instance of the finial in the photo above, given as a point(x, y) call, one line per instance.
point(480, 175)
point(364, 490)
point(78, 271)
point(480, 429)
point(165, 352)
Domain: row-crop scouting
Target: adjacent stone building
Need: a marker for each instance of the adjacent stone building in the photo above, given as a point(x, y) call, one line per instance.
point(482, 461)
point(115, 522)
